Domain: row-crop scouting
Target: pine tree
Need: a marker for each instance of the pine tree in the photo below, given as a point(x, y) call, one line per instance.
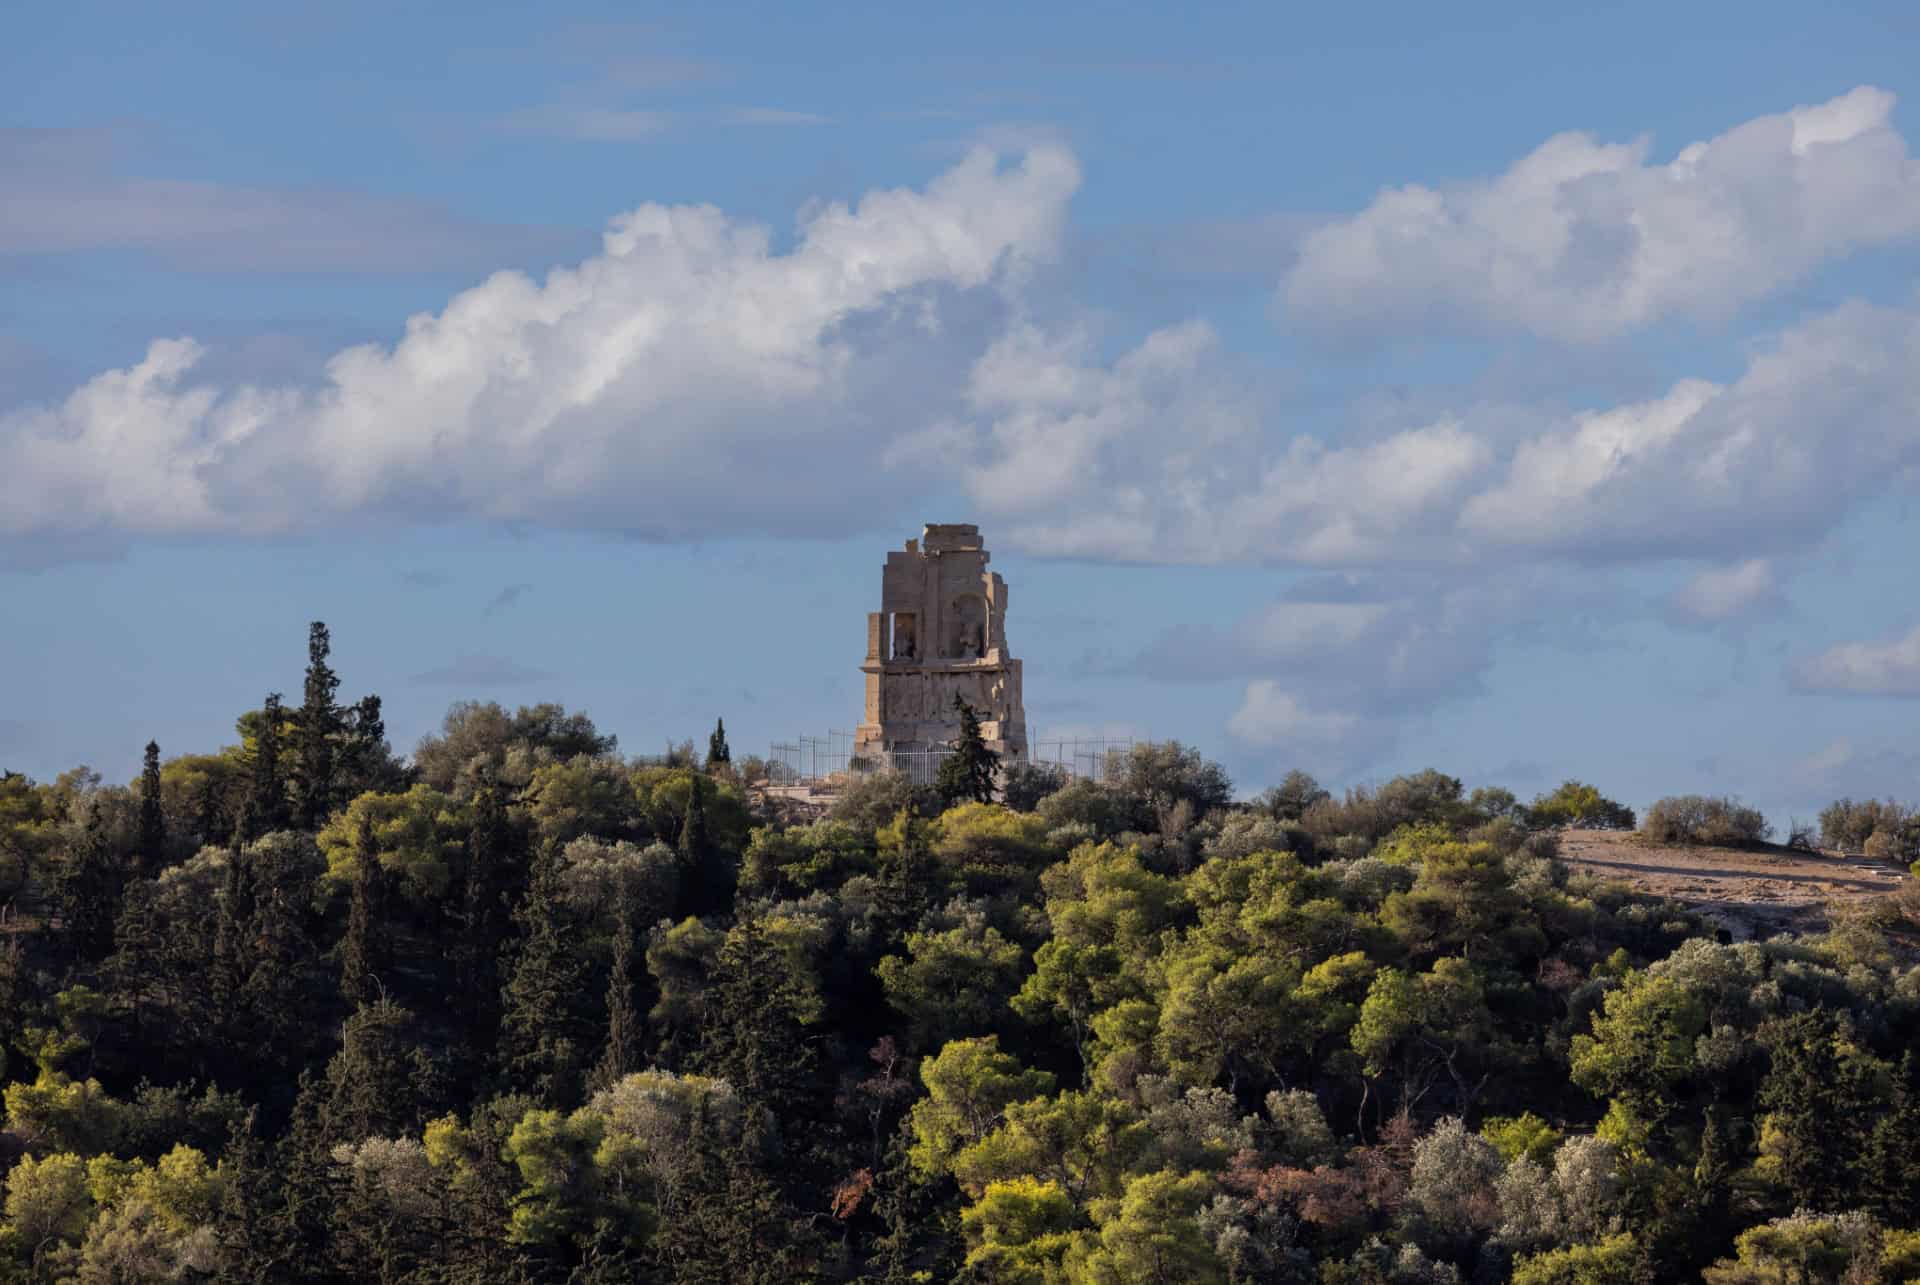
point(967, 774)
point(540, 1030)
point(153, 822)
point(364, 950)
point(717, 751)
point(622, 1054)
point(266, 806)
point(316, 730)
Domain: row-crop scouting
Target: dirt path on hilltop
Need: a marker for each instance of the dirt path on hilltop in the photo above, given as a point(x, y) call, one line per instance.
point(1753, 891)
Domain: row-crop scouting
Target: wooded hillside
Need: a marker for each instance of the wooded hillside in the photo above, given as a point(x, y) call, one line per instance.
point(519, 1008)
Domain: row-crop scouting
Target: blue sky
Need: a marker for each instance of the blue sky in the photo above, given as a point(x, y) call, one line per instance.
point(1358, 388)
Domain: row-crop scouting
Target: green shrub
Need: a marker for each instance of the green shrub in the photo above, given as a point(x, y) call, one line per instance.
point(1703, 819)
point(1847, 825)
point(1581, 806)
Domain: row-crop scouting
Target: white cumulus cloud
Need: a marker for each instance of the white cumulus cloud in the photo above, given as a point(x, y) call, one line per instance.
point(1581, 239)
point(1163, 455)
point(674, 384)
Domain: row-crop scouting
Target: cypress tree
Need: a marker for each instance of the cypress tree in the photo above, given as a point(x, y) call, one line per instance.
point(754, 1036)
point(491, 863)
point(363, 762)
point(278, 960)
point(364, 950)
point(266, 807)
point(622, 1054)
point(1893, 1150)
point(251, 1222)
point(967, 774)
point(370, 1081)
point(210, 813)
point(540, 1030)
point(315, 731)
point(139, 960)
point(89, 891)
point(232, 953)
point(693, 826)
point(153, 822)
point(702, 890)
point(717, 751)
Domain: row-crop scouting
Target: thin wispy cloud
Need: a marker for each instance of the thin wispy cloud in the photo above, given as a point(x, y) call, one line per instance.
point(1875, 667)
point(773, 116)
point(506, 598)
point(477, 671)
point(587, 124)
point(64, 193)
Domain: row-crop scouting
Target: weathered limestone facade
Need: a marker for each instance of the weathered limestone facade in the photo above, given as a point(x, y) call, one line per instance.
point(941, 632)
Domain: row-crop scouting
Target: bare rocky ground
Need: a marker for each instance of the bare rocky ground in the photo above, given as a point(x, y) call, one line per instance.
point(1753, 892)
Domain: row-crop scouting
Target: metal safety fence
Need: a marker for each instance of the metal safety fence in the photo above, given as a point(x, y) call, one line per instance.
point(830, 760)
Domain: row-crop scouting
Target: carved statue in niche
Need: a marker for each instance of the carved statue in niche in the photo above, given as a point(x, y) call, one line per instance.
point(969, 628)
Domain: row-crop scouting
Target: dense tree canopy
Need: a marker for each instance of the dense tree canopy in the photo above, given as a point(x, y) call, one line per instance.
point(523, 1009)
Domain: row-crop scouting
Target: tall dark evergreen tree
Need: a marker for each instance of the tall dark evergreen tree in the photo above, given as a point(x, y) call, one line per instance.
point(967, 774)
point(693, 826)
point(210, 818)
point(622, 1054)
point(138, 966)
point(371, 1080)
point(252, 1220)
point(364, 951)
point(754, 1036)
point(491, 872)
point(317, 730)
point(1820, 1106)
point(542, 1038)
point(1893, 1151)
point(703, 884)
point(278, 961)
point(266, 806)
point(717, 751)
point(233, 922)
point(153, 821)
point(364, 762)
point(89, 889)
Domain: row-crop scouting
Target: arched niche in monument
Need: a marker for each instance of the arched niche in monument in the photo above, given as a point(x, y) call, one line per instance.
point(967, 626)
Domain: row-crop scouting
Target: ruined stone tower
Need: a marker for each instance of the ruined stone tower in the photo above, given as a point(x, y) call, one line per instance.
point(941, 631)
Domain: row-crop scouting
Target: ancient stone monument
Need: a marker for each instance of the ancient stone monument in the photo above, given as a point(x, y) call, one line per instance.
point(941, 632)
